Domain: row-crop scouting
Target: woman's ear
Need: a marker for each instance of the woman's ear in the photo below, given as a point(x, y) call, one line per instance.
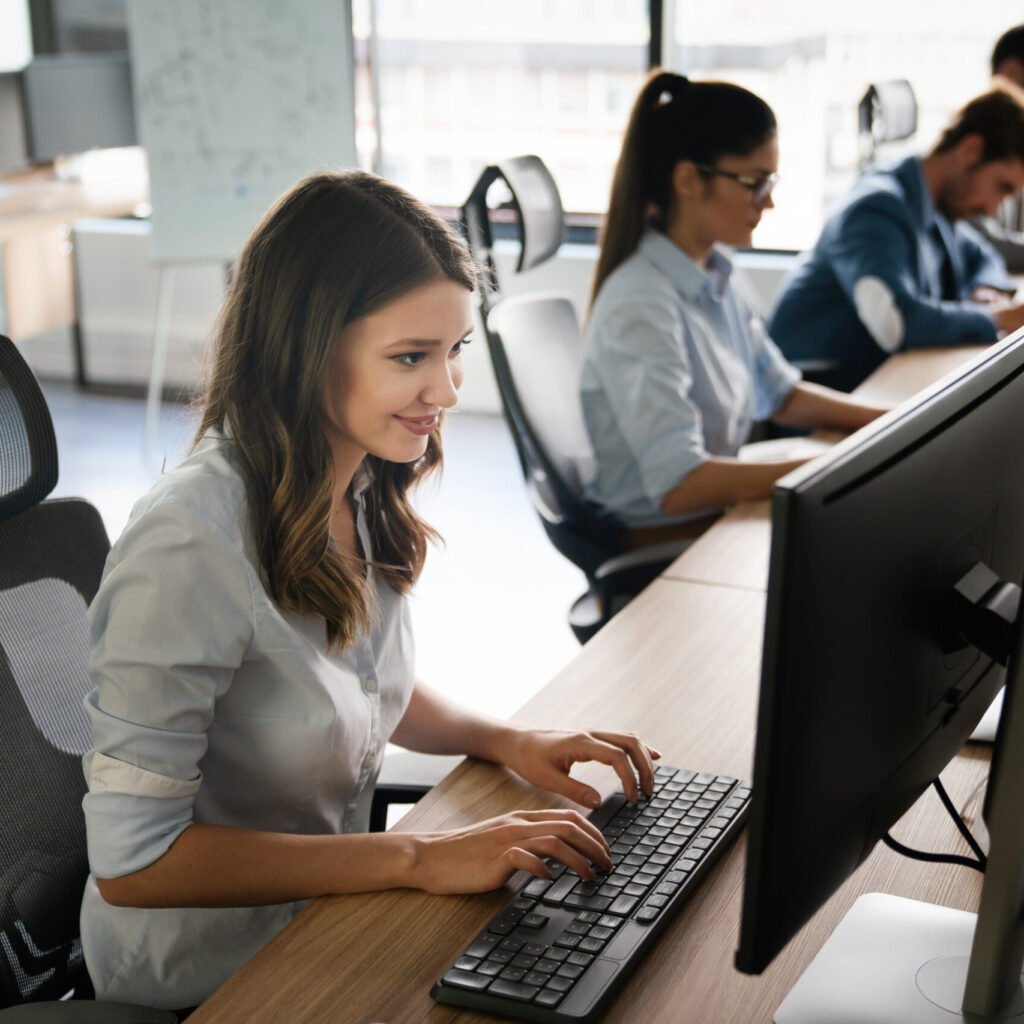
point(687, 182)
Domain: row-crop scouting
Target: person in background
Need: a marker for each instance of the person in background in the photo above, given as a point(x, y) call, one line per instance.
point(1006, 229)
point(251, 644)
point(897, 266)
point(677, 365)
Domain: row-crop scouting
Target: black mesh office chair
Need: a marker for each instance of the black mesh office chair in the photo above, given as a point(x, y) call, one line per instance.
point(535, 347)
point(51, 558)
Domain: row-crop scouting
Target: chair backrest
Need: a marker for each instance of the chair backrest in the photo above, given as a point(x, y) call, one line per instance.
point(886, 113)
point(539, 219)
point(51, 558)
point(535, 346)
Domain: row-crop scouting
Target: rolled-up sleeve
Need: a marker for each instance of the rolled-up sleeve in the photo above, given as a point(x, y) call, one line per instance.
point(648, 381)
point(774, 376)
point(170, 624)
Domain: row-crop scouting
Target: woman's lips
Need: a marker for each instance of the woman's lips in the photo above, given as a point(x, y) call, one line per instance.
point(420, 425)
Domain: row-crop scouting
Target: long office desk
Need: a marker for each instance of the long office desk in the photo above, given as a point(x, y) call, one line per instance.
point(679, 666)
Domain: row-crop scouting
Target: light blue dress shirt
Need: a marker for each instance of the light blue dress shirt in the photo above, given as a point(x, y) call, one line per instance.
point(213, 705)
point(677, 366)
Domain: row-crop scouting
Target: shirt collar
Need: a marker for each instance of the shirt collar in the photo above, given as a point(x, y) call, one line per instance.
point(687, 277)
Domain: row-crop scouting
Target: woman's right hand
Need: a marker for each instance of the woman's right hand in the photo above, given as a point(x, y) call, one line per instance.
point(484, 856)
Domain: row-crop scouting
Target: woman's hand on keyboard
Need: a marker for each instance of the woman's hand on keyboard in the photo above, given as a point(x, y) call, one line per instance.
point(484, 856)
point(545, 757)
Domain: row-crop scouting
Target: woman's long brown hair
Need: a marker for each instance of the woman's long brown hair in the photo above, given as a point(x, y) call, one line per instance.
point(335, 248)
point(673, 119)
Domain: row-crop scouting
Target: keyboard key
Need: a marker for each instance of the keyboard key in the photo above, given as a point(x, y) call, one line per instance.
point(548, 997)
point(635, 889)
point(557, 953)
point(490, 968)
point(524, 961)
point(513, 974)
point(501, 956)
point(647, 914)
point(645, 878)
point(482, 946)
point(502, 927)
point(513, 990)
point(588, 902)
point(567, 941)
point(588, 917)
point(546, 965)
point(558, 983)
point(463, 979)
point(578, 928)
point(657, 901)
point(512, 945)
point(560, 889)
point(535, 978)
point(591, 944)
point(571, 971)
point(538, 887)
point(607, 921)
point(580, 959)
point(624, 905)
point(466, 963)
point(600, 932)
point(534, 949)
point(534, 921)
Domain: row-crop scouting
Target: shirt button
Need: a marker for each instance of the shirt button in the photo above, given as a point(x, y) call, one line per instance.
point(371, 685)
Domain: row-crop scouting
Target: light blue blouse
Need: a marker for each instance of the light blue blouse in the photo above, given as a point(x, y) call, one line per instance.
point(677, 366)
point(213, 705)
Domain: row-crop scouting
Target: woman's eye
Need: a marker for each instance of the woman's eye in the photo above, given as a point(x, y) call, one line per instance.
point(410, 358)
point(460, 345)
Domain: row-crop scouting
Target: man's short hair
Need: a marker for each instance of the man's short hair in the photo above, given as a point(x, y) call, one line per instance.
point(1009, 47)
point(997, 116)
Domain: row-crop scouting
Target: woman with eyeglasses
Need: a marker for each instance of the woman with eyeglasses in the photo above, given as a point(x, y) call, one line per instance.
point(677, 365)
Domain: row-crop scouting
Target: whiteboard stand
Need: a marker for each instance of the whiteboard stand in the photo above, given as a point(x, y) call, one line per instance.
point(158, 356)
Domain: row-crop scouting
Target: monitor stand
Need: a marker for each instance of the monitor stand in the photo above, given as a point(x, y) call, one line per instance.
point(891, 959)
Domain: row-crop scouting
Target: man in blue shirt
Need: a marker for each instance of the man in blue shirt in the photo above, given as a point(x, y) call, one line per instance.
point(896, 267)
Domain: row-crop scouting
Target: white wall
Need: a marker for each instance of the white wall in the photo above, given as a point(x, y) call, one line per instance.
point(117, 300)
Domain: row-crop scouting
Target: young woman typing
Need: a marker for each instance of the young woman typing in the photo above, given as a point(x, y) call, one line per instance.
point(677, 365)
point(251, 644)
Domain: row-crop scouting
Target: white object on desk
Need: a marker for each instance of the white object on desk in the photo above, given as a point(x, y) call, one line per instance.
point(986, 729)
point(783, 449)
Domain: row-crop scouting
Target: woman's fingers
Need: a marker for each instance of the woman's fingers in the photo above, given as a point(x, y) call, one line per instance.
point(639, 753)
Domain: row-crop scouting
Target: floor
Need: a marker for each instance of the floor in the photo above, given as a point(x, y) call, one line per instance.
point(490, 608)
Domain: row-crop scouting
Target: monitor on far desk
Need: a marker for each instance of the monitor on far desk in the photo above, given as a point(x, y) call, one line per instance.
point(892, 593)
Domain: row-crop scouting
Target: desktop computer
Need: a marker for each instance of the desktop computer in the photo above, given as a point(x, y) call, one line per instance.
point(892, 610)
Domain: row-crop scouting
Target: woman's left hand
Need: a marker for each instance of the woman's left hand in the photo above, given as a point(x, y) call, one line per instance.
point(545, 757)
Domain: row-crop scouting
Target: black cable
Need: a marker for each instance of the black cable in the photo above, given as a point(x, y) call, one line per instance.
point(978, 862)
point(960, 823)
point(935, 858)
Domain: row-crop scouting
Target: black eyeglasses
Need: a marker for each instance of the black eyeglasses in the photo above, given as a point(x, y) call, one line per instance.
point(760, 185)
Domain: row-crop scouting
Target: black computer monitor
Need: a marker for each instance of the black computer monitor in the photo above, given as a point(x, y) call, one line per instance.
point(873, 676)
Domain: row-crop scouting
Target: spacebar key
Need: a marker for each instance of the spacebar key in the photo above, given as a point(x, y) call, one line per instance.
point(562, 887)
point(513, 990)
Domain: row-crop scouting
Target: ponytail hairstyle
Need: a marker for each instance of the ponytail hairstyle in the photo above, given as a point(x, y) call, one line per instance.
point(332, 250)
point(673, 119)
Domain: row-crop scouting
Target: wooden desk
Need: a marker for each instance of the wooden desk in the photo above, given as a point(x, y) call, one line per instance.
point(680, 666)
point(734, 552)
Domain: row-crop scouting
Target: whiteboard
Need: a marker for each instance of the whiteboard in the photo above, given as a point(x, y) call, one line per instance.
point(235, 101)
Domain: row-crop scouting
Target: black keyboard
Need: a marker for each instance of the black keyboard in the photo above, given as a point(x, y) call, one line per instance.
point(559, 949)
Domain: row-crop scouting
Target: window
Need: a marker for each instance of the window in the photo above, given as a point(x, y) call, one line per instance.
point(813, 61)
point(465, 83)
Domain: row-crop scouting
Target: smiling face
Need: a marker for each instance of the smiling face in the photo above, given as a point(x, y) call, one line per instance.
point(394, 372)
